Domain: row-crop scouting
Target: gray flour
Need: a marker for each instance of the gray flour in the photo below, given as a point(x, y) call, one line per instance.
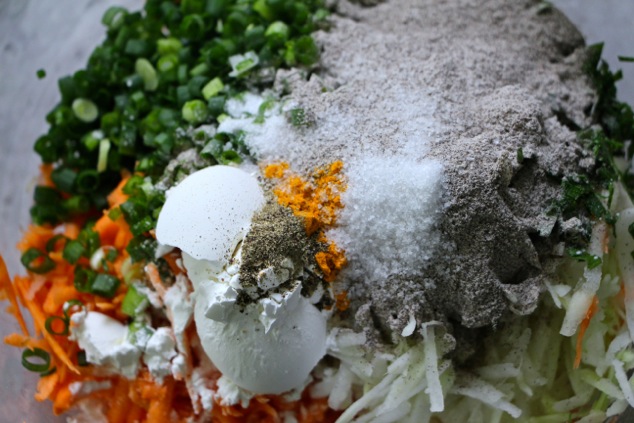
point(468, 84)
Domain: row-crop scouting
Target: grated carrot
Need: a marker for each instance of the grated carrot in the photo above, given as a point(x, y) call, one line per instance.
point(117, 196)
point(45, 386)
point(161, 405)
point(155, 279)
point(39, 319)
point(63, 400)
point(582, 330)
point(7, 287)
point(56, 297)
point(119, 402)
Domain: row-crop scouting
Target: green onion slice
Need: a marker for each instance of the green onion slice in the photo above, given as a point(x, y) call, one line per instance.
point(36, 360)
point(83, 279)
point(104, 149)
point(48, 372)
point(85, 110)
point(68, 306)
point(51, 244)
point(50, 321)
point(81, 358)
point(37, 261)
point(105, 285)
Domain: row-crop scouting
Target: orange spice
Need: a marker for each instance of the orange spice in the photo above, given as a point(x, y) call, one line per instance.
point(342, 302)
point(317, 199)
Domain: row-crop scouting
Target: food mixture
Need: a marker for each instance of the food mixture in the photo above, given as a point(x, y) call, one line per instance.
point(276, 210)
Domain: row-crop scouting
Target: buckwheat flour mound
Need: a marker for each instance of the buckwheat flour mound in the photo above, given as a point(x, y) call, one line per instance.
point(456, 122)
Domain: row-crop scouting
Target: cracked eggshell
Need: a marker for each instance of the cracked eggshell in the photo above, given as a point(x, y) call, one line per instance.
point(263, 363)
point(209, 212)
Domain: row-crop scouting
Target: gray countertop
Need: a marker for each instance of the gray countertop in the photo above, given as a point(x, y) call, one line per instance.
point(58, 35)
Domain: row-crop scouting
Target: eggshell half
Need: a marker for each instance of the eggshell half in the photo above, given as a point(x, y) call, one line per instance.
point(209, 212)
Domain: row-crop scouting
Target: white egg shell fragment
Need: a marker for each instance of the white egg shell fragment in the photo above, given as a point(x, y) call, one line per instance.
point(209, 212)
point(262, 362)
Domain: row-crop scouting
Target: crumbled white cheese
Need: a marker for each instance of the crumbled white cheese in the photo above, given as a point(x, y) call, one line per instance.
point(159, 352)
point(105, 341)
point(200, 384)
point(230, 394)
point(179, 367)
point(150, 294)
point(179, 307)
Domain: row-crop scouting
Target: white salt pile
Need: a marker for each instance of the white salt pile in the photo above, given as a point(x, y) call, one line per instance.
point(389, 222)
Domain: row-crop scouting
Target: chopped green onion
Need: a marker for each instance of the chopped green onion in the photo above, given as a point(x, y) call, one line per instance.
point(303, 51)
point(85, 110)
point(212, 88)
point(138, 48)
point(134, 302)
point(229, 156)
point(142, 226)
point(87, 181)
point(90, 240)
point(216, 105)
point(46, 195)
point(105, 285)
point(104, 149)
point(243, 63)
point(195, 85)
point(50, 321)
point(73, 250)
point(51, 244)
point(193, 26)
point(81, 358)
point(141, 248)
point(37, 261)
point(64, 178)
point(36, 360)
point(520, 155)
point(114, 214)
point(195, 112)
point(277, 33)
point(77, 204)
point(41, 74)
point(263, 9)
point(134, 82)
point(111, 254)
point(168, 46)
point(145, 70)
point(591, 260)
point(167, 63)
point(626, 59)
point(114, 17)
point(200, 69)
point(83, 279)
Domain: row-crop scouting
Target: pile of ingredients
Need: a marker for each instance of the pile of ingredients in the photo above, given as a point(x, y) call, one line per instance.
point(287, 211)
